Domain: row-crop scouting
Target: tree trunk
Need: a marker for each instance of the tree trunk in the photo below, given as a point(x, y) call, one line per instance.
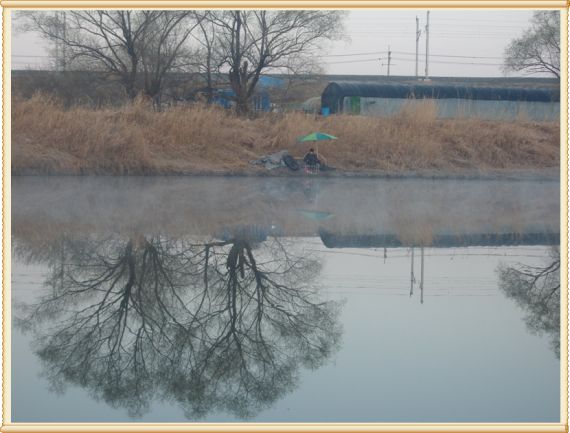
point(130, 90)
point(209, 83)
point(153, 90)
point(238, 81)
point(242, 106)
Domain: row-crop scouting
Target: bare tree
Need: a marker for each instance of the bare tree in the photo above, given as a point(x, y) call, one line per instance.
point(163, 47)
point(100, 40)
point(537, 291)
point(119, 43)
point(538, 50)
point(208, 55)
point(253, 42)
point(112, 304)
point(222, 325)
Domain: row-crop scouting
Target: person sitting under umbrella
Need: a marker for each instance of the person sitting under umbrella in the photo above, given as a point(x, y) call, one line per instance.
point(312, 162)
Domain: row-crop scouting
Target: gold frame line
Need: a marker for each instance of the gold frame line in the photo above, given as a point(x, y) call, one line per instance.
point(564, 241)
point(6, 220)
point(10, 427)
point(282, 428)
point(285, 4)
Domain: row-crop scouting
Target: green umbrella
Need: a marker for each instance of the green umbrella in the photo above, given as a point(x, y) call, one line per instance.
point(317, 136)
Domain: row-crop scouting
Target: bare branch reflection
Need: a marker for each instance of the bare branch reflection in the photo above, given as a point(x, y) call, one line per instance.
point(537, 291)
point(214, 326)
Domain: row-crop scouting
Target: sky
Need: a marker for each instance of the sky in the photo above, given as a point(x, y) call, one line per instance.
point(478, 38)
point(467, 43)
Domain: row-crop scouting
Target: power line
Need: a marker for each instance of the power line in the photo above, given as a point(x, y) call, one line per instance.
point(365, 60)
point(355, 54)
point(412, 60)
point(352, 61)
point(407, 31)
point(397, 24)
point(406, 53)
point(448, 55)
point(34, 55)
point(444, 62)
point(369, 53)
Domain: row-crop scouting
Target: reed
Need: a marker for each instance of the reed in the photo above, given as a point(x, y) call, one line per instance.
point(134, 139)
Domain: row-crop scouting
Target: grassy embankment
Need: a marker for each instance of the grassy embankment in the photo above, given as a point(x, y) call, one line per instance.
point(47, 138)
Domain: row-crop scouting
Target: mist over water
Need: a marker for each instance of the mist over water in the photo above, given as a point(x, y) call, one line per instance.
point(285, 300)
point(204, 205)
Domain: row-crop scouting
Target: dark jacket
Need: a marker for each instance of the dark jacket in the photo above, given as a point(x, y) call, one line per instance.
point(311, 159)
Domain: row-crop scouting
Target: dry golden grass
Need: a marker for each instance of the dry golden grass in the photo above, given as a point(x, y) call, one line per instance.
point(47, 138)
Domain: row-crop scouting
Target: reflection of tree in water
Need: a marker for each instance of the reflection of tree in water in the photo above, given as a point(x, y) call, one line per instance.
point(537, 291)
point(216, 326)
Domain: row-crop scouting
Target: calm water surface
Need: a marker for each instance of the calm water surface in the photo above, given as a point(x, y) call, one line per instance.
point(279, 300)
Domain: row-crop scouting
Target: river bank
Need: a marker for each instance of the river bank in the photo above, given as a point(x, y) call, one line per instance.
point(538, 175)
point(48, 138)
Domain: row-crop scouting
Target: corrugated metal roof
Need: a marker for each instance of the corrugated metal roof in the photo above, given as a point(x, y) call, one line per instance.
point(340, 89)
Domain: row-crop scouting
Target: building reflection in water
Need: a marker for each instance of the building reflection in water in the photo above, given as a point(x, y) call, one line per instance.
point(424, 237)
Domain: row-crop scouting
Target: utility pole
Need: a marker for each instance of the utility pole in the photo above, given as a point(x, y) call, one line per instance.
point(64, 50)
point(57, 45)
point(422, 279)
point(60, 49)
point(412, 278)
point(427, 46)
point(389, 60)
point(418, 34)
